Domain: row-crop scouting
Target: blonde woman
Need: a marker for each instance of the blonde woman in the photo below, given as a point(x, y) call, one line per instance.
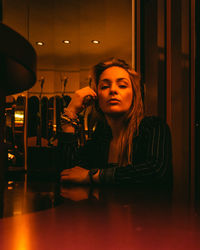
point(126, 147)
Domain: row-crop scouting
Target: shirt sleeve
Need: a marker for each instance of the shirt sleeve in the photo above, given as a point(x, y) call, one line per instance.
point(67, 148)
point(71, 154)
point(154, 160)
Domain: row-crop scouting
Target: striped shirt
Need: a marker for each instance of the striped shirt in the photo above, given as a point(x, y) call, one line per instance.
point(151, 159)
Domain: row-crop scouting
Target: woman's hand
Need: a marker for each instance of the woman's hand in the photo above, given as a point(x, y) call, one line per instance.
point(77, 104)
point(76, 175)
point(75, 193)
point(79, 193)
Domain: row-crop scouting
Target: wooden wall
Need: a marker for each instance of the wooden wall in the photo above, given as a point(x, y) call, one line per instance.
point(167, 68)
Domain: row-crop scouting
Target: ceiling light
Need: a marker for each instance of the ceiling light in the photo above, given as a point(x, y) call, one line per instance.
point(40, 43)
point(95, 41)
point(66, 41)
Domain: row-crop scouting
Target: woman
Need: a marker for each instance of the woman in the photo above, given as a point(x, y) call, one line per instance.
point(125, 147)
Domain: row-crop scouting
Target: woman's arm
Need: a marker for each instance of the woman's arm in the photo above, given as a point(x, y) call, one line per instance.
point(152, 161)
point(68, 140)
point(80, 175)
point(152, 158)
point(76, 161)
point(67, 148)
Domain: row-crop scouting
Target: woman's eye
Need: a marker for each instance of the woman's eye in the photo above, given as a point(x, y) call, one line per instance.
point(122, 86)
point(104, 87)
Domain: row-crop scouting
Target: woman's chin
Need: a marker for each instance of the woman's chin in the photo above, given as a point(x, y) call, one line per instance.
point(115, 113)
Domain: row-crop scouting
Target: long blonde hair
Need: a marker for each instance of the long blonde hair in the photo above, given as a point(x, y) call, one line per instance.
point(133, 116)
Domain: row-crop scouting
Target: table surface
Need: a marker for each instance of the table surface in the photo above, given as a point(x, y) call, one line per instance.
point(44, 214)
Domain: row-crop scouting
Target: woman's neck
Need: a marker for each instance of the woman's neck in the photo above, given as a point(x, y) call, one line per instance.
point(116, 125)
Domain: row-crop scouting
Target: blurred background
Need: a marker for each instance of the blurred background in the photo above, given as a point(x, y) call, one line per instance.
point(158, 38)
point(69, 38)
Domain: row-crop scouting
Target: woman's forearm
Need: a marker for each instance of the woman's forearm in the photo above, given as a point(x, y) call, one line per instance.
point(68, 128)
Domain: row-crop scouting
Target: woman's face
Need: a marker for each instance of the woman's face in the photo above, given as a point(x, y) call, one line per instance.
point(115, 92)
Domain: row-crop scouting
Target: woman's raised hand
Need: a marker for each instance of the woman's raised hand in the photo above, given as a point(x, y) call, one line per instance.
point(80, 99)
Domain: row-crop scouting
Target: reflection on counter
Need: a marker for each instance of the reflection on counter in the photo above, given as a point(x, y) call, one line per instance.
point(127, 217)
point(21, 196)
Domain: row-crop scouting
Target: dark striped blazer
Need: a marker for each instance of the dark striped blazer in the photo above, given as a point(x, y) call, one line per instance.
point(152, 154)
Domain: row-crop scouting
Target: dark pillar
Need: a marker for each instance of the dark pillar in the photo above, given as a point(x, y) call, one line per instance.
point(3, 153)
point(1, 11)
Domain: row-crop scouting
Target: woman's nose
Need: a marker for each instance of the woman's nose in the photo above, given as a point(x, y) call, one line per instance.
point(113, 88)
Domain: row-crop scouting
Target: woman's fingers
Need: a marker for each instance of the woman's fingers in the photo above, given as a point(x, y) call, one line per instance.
point(89, 98)
point(65, 172)
point(76, 175)
point(81, 99)
point(85, 92)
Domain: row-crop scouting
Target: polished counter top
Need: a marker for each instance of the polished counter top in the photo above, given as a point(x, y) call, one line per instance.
point(44, 214)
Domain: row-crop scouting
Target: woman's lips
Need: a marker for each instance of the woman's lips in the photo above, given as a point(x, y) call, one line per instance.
point(113, 101)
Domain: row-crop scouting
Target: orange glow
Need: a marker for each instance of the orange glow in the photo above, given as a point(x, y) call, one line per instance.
point(66, 41)
point(19, 117)
point(40, 43)
point(95, 41)
point(22, 237)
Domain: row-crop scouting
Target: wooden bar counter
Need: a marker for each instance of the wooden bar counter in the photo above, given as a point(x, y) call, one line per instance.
point(45, 214)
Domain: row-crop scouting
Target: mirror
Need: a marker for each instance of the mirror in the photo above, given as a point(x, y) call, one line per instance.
point(69, 38)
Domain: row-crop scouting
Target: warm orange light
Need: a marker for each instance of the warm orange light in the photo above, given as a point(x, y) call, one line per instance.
point(95, 41)
point(22, 237)
point(66, 41)
point(40, 43)
point(19, 116)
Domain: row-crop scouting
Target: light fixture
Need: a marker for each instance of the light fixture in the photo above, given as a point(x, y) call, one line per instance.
point(95, 41)
point(66, 41)
point(40, 43)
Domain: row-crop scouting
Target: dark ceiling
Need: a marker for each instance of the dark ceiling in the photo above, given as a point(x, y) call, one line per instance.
point(80, 21)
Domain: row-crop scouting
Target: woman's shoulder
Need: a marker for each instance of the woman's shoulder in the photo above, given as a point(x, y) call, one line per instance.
point(102, 132)
point(151, 122)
